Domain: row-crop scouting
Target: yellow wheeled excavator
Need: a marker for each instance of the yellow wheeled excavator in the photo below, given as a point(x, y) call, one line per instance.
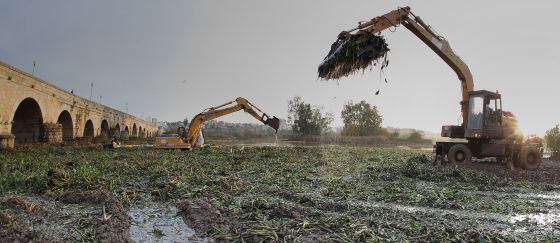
point(488, 131)
point(187, 139)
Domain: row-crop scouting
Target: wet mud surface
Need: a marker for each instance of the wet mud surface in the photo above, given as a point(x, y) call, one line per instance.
point(549, 172)
point(158, 222)
point(70, 216)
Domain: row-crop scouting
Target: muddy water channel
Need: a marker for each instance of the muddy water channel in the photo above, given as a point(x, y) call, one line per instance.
point(158, 222)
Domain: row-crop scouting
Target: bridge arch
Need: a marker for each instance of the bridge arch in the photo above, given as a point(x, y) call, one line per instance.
point(89, 131)
point(26, 126)
point(126, 130)
point(105, 128)
point(134, 130)
point(65, 119)
point(115, 131)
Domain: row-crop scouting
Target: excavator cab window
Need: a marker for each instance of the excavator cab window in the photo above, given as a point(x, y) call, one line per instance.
point(493, 112)
point(182, 132)
point(485, 111)
point(476, 112)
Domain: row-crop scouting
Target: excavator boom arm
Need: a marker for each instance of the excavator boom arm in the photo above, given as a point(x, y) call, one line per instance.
point(437, 43)
point(215, 112)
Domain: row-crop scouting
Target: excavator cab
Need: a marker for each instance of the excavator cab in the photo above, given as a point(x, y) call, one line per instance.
point(485, 118)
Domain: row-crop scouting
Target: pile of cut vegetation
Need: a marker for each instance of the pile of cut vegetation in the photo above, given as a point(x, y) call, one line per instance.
point(351, 53)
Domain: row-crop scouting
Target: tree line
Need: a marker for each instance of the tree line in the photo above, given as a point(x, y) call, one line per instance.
point(360, 119)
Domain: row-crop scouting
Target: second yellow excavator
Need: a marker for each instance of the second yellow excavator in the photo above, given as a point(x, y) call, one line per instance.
point(192, 137)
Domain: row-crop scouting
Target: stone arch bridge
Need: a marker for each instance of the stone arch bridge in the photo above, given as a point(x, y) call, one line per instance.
point(32, 110)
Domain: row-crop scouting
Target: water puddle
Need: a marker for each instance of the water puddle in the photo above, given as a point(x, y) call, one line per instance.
point(528, 195)
point(543, 219)
point(158, 222)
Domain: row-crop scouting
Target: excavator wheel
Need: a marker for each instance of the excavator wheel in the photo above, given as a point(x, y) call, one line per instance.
point(530, 158)
point(459, 153)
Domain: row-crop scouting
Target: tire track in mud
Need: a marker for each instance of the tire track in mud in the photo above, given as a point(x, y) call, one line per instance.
point(508, 224)
point(516, 224)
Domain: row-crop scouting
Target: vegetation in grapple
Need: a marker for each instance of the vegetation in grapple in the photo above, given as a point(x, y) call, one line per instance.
point(351, 53)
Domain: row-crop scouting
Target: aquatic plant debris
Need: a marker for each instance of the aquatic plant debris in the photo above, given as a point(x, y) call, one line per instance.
point(271, 193)
point(351, 53)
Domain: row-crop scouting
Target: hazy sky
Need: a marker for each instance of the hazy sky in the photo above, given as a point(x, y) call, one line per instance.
point(171, 59)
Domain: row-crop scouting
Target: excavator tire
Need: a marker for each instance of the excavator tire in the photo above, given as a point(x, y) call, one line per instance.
point(459, 153)
point(530, 158)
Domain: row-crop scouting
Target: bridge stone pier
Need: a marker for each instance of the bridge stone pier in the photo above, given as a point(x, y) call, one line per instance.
point(33, 110)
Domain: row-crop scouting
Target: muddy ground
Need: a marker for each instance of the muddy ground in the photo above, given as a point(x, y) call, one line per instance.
point(239, 193)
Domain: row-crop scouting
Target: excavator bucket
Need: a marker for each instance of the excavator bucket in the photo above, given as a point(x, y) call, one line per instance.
point(273, 122)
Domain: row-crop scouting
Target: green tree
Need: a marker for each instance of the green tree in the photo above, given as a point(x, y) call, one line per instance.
point(307, 119)
point(361, 119)
point(552, 139)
